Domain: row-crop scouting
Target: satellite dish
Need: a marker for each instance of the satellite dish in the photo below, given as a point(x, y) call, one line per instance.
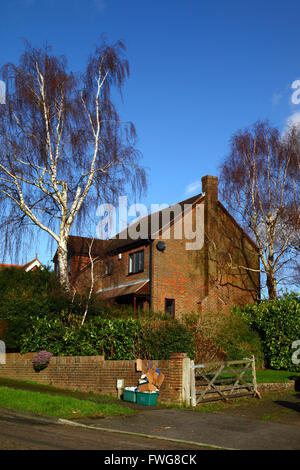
point(161, 246)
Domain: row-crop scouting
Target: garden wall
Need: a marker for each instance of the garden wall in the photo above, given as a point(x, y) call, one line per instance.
point(94, 374)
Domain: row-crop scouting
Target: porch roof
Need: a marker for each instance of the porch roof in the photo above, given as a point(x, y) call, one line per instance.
point(138, 288)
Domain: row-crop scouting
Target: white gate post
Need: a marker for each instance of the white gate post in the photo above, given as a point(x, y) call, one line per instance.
point(2, 353)
point(192, 384)
point(186, 377)
point(254, 374)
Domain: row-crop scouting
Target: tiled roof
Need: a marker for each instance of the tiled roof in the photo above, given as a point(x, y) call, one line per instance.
point(123, 239)
point(80, 245)
point(9, 266)
point(35, 262)
point(117, 291)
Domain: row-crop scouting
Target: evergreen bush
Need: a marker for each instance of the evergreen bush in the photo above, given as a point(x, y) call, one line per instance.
point(278, 323)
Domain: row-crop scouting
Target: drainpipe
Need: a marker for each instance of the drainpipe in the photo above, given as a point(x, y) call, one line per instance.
point(150, 273)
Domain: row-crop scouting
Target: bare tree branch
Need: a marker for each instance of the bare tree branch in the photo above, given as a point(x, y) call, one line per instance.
point(261, 185)
point(63, 148)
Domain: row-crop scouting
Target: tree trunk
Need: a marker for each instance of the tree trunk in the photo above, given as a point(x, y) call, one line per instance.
point(272, 286)
point(62, 259)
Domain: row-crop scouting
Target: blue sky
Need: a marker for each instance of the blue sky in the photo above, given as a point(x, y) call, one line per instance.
point(200, 71)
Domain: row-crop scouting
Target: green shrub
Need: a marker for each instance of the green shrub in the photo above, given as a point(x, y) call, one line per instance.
point(40, 315)
point(161, 339)
point(115, 338)
point(26, 295)
point(220, 337)
point(278, 323)
point(239, 340)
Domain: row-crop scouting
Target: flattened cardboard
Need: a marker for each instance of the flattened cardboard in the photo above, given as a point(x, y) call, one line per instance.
point(147, 388)
point(160, 380)
point(150, 376)
point(155, 377)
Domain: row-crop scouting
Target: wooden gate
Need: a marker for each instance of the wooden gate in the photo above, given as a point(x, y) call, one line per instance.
point(222, 380)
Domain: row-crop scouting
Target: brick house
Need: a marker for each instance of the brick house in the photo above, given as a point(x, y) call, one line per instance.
point(162, 272)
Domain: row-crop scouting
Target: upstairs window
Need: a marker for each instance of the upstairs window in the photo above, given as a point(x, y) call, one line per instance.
point(136, 262)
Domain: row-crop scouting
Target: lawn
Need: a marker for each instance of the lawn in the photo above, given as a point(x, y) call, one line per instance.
point(264, 376)
point(57, 406)
point(275, 376)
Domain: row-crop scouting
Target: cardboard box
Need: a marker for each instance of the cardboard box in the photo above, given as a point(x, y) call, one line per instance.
point(154, 376)
point(147, 388)
point(160, 380)
point(150, 376)
point(149, 384)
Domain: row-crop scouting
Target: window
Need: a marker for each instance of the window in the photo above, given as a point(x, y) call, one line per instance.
point(108, 268)
point(170, 307)
point(136, 262)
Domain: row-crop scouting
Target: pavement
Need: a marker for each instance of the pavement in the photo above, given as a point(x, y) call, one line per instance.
point(192, 427)
point(185, 427)
point(203, 429)
point(24, 431)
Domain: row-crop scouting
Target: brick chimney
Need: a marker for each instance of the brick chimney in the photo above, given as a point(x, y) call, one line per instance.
point(210, 188)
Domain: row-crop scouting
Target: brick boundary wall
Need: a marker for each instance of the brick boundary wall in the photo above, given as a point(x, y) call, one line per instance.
point(94, 374)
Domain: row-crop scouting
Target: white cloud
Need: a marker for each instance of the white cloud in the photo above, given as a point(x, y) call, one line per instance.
point(293, 120)
point(193, 187)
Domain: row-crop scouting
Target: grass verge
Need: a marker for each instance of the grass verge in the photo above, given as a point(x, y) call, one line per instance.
point(57, 406)
point(38, 387)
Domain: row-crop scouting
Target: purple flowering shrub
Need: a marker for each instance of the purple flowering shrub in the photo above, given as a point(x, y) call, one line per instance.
point(41, 360)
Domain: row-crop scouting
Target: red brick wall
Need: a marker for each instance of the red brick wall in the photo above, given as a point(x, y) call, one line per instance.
point(211, 279)
point(78, 262)
point(94, 374)
point(119, 275)
point(177, 274)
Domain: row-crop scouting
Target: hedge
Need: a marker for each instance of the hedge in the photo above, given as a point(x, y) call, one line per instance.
point(115, 338)
point(278, 323)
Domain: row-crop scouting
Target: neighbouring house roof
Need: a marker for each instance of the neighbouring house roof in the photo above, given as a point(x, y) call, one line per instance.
point(30, 266)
